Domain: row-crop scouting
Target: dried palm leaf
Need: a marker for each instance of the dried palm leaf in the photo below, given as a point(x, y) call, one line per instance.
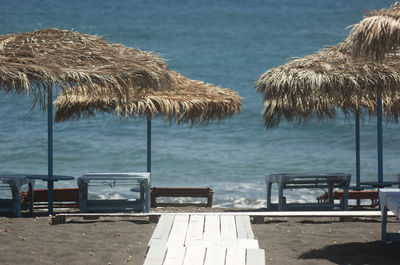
point(377, 34)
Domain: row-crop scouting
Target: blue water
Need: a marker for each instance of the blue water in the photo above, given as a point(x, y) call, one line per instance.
point(227, 43)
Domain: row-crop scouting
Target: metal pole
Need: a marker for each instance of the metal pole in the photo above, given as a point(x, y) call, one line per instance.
point(50, 184)
point(379, 125)
point(149, 145)
point(357, 149)
point(358, 152)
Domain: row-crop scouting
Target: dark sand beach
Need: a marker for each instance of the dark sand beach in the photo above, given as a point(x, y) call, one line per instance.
point(294, 240)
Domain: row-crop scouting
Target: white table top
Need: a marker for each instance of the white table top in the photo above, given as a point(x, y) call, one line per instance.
point(291, 176)
point(119, 176)
point(390, 198)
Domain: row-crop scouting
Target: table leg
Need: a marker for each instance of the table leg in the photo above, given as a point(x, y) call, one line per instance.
point(383, 224)
point(16, 193)
point(281, 199)
point(330, 195)
point(345, 198)
point(269, 188)
point(31, 197)
point(83, 196)
point(148, 197)
point(143, 200)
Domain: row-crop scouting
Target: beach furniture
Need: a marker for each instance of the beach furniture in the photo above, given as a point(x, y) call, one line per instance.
point(135, 182)
point(62, 198)
point(15, 182)
point(308, 181)
point(256, 217)
point(353, 195)
point(389, 200)
point(204, 239)
point(157, 192)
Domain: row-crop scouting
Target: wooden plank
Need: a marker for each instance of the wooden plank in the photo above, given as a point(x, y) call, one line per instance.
point(251, 214)
point(194, 256)
point(215, 256)
point(228, 228)
point(313, 214)
point(247, 243)
point(301, 213)
point(235, 256)
point(243, 227)
point(175, 255)
point(155, 254)
point(212, 230)
point(163, 228)
point(255, 257)
point(178, 232)
point(195, 230)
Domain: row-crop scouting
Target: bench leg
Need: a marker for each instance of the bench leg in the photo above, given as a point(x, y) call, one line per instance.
point(209, 199)
point(383, 224)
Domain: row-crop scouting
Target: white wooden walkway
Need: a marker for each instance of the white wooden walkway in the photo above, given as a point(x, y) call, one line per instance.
point(181, 239)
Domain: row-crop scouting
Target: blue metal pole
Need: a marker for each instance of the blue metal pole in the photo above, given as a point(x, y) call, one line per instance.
point(50, 184)
point(357, 149)
point(358, 152)
point(149, 145)
point(379, 125)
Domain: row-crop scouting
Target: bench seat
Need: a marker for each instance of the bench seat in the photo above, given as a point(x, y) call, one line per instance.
point(157, 192)
point(353, 195)
point(62, 198)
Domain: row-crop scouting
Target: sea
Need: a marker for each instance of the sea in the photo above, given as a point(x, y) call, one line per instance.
point(229, 43)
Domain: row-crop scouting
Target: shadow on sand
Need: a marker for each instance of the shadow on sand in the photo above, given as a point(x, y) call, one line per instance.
point(370, 253)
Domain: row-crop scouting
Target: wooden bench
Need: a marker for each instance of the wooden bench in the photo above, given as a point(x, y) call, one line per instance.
point(63, 198)
point(353, 195)
point(157, 192)
point(199, 239)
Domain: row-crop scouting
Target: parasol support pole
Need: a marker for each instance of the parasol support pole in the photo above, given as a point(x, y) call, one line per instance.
point(148, 144)
point(379, 126)
point(50, 183)
point(358, 152)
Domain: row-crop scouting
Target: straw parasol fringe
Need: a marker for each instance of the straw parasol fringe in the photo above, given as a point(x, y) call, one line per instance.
point(319, 83)
point(377, 34)
point(68, 58)
point(190, 101)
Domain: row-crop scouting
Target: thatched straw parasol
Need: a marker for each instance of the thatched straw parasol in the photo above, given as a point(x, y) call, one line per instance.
point(377, 38)
point(36, 62)
point(318, 84)
point(377, 34)
point(189, 101)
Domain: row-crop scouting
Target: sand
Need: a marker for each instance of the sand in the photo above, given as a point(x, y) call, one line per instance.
point(32, 240)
